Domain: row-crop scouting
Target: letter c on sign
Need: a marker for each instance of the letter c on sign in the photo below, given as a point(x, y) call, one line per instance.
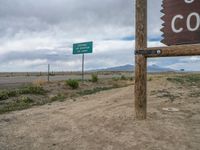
point(173, 24)
point(189, 1)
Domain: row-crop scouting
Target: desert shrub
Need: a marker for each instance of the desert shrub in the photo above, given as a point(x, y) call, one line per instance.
point(115, 78)
point(131, 78)
point(150, 79)
point(94, 77)
point(123, 77)
point(4, 95)
point(12, 93)
point(59, 97)
point(17, 104)
point(32, 90)
point(25, 90)
point(25, 99)
point(176, 80)
point(74, 84)
point(190, 79)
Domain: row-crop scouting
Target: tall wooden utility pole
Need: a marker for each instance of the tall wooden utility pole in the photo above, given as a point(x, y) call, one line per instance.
point(141, 60)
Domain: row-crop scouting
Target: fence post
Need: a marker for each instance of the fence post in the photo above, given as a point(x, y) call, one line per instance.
point(48, 74)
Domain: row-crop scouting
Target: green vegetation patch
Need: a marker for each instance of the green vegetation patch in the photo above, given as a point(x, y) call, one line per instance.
point(190, 79)
point(74, 84)
point(17, 104)
point(94, 77)
point(150, 79)
point(35, 95)
point(5, 94)
point(32, 90)
point(59, 97)
point(123, 77)
point(115, 78)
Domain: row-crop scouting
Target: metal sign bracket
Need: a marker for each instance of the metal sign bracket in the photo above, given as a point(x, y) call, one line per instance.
point(148, 52)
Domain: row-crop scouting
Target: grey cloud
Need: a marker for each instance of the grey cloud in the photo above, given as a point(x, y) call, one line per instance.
point(153, 18)
point(34, 16)
point(66, 21)
point(74, 17)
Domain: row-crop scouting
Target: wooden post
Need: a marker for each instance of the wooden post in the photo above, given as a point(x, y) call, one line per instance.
point(48, 74)
point(140, 60)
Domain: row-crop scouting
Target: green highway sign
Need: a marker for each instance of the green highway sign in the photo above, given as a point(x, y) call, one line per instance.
point(81, 48)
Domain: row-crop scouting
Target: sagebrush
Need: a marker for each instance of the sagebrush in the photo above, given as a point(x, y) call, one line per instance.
point(74, 84)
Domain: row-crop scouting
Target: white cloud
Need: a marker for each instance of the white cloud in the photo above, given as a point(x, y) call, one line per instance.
point(24, 65)
point(28, 44)
point(189, 66)
point(110, 46)
point(154, 44)
point(28, 63)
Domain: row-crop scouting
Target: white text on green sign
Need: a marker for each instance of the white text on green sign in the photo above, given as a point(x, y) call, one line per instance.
point(81, 48)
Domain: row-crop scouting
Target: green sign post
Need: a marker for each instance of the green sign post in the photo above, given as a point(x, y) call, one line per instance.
point(82, 48)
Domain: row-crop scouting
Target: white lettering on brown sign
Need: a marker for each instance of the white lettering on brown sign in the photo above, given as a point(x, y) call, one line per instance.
point(181, 22)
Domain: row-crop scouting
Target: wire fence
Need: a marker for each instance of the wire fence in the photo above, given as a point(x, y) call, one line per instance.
point(21, 78)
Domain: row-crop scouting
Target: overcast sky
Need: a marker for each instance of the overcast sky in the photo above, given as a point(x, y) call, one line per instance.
point(34, 33)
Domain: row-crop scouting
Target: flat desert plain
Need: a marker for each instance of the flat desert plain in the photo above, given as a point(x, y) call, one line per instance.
point(106, 121)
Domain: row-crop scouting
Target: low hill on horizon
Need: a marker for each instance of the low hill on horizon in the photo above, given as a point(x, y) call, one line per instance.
point(129, 67)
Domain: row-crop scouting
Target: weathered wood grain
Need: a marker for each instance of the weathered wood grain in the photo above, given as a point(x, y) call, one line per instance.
point(177, 50)
point(140, 60)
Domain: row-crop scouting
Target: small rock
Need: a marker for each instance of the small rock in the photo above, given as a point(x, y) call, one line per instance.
point(171, 109)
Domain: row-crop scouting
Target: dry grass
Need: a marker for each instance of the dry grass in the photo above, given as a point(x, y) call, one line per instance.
point(41, 92)
point(39, 82)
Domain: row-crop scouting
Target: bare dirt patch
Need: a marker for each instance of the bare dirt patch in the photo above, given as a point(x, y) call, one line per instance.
point(105, 121)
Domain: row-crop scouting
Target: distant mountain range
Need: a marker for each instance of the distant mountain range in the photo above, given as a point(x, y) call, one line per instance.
point(128, 67)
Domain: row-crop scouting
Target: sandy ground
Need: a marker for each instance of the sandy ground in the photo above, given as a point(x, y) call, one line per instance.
point(105, 121)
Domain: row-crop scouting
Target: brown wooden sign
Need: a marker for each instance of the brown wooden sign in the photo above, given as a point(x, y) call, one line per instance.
point(181, 22)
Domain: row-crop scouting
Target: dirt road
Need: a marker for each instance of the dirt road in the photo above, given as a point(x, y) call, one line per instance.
point(105, 121)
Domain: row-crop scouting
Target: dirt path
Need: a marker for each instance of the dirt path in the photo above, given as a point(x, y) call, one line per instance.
point(105, 121)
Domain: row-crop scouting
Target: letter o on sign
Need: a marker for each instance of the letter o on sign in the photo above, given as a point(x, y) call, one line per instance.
point(189, 1)
point(197, 16)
